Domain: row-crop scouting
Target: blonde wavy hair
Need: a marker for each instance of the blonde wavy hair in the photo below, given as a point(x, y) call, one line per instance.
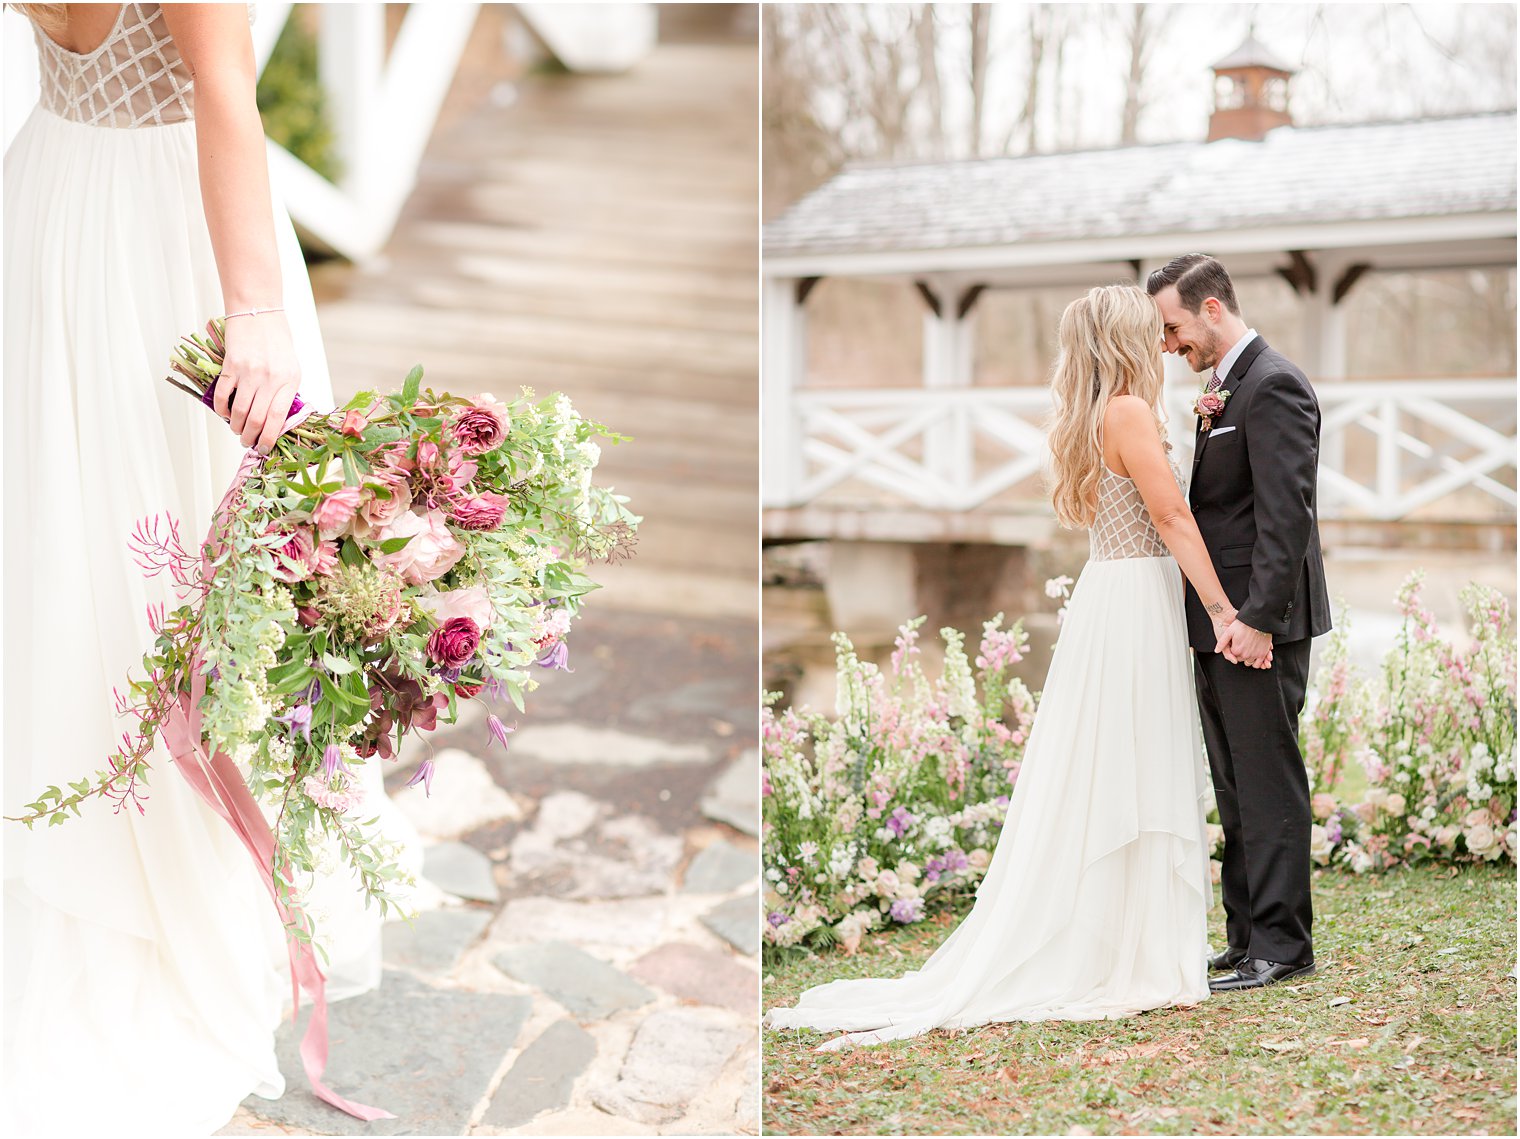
point(1110, 346)
point(51, 18)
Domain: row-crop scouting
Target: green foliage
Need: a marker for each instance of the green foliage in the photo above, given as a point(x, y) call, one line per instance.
point(291, 100)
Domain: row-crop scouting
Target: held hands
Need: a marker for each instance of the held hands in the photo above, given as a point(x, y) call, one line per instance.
point(260, 378)
point(1242, 644)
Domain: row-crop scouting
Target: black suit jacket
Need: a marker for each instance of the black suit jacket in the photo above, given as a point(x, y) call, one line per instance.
point(1253, 495)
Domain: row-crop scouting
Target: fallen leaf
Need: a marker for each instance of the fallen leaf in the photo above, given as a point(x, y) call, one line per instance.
point(1338, 1001)
point(1281, 1045)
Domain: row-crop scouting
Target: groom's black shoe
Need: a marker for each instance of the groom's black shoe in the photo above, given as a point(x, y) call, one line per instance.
point(1254, 973)
point(1225, 962)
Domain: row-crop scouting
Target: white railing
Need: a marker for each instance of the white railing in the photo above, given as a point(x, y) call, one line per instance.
point(384, 102)
point(1389, 449)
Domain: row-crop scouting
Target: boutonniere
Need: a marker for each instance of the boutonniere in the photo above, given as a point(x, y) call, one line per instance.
point(1210, 406)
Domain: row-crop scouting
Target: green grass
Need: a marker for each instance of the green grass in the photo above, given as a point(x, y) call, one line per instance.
point(1425, 1046)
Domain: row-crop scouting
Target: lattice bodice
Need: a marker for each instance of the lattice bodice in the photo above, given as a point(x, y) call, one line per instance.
point(1122, 527)
point(135, 78)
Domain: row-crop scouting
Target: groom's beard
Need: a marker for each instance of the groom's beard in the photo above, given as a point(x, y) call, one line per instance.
point(1205, 357)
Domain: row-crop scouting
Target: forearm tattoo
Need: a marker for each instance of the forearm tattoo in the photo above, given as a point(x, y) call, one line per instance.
point(1214, 609)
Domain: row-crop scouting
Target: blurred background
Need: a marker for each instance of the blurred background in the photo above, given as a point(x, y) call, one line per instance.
point(560, 196)
point(940, 180)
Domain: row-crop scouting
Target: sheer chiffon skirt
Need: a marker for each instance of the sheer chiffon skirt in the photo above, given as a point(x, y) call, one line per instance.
point(145, 970)
point(1094, 905)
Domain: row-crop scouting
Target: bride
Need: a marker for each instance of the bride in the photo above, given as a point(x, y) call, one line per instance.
point(145, 968)
point(1094, 905)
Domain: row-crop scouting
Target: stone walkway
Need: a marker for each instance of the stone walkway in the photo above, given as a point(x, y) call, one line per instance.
point(588, 961)
point(590, 965)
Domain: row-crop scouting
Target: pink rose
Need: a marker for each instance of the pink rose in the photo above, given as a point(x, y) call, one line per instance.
point(446, 605)
point(1211, 404)
point(293, 557)
point(428, 454)
point(461, 471)
point(354, 424)
point(324, 558)
point(479, 511)
point(1322, 806)
point(336, 510)
point(375, 512)
point(430, 553)
point(479, 429)
point(453, 643)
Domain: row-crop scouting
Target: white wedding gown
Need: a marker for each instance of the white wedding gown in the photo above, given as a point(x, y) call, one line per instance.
point(1095, 903)
point(145, 970)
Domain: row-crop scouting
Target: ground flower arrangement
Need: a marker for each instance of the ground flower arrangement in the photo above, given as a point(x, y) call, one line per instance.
point(894, 805)
point(1434, 735)
point(385, 562)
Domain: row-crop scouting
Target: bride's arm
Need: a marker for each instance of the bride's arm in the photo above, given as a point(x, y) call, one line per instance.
point(1132, 427)
point(261, 369)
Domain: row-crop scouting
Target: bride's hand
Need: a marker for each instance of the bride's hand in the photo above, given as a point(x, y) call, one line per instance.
point(259, 380)
point(1222, 621)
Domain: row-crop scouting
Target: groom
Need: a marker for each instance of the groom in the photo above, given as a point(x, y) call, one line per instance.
point(1253, 489)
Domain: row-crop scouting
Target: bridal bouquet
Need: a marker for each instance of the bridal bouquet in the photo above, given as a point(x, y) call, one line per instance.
point(385, 562)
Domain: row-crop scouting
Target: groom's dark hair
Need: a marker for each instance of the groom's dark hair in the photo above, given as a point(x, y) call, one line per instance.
point(1197, 277)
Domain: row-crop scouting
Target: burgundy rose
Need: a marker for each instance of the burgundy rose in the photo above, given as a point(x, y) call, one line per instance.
point(479, 511)
point(454, 642)
point(307, 615)
point(478, 430)
point(466, 689)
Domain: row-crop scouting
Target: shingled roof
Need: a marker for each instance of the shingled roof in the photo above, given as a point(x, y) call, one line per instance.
point(1366, 171)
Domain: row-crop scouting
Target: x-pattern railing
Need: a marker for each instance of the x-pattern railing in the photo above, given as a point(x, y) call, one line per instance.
point(1389, 448)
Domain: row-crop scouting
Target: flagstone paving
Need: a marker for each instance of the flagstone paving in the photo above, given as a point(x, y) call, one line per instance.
point(568, 975)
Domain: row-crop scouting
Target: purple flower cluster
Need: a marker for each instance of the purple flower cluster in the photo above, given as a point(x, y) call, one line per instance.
point(907, 910)
point(948, 863)
point(899, 821)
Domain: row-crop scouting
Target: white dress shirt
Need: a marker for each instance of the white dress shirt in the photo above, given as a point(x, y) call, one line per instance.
point(1232, 355)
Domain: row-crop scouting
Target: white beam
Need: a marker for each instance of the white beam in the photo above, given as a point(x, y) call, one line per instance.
point(1271, 239)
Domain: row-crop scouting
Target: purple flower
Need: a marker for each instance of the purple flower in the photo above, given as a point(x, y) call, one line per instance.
point(332, 762)
point(556, 657)
point(1333, 829)
point(423, 775)
point(498, 730)
point(496, 689)
point(298, 719)
point(899, 821)
point(907, 910)
point(777, 918)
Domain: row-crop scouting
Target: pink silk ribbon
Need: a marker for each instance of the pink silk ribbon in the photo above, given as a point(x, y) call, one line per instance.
point(217, 780)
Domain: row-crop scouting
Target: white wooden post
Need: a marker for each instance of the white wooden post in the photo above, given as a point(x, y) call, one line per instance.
point(949, 347)
point(351, 65)
point(1325, 358)
point(783, 369)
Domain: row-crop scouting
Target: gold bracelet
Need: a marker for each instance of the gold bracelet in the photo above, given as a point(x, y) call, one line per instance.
point(254, 312)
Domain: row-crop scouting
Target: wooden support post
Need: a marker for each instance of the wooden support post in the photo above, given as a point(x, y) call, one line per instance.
point(783, 369)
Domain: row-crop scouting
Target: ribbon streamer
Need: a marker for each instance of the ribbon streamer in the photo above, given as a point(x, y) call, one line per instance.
point(217, 780)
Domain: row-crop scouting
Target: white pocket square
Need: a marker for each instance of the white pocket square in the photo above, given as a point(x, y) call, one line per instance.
point(1220, 431)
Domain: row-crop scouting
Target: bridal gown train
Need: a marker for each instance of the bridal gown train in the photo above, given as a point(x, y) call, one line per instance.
point(1095, 902)
point(145, 970)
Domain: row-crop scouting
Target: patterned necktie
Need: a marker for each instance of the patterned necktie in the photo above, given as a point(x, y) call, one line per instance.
point(1215, 383)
